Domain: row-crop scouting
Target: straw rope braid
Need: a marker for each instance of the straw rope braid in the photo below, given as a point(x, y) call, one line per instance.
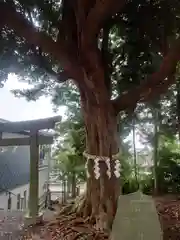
point(97, 159)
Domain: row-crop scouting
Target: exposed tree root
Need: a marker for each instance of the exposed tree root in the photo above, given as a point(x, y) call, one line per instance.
point(74, 227)
point(79, 205)
point(70, 224)
point(66, 210)
point(68, 227)
point(76, 206)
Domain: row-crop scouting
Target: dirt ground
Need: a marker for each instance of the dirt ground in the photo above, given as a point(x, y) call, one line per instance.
point(169, 213)
point(73, 228)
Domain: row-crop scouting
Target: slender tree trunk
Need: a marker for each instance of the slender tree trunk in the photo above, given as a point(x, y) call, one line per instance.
point(64, 191)
point(156, 145)
point(101, 140)
point(73, 182)
point(69, 185)
point(178, 105)
point(134, 148)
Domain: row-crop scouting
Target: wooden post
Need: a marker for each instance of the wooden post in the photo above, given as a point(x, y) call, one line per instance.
point(49, 170)
point(34, 177)
point(9, 201)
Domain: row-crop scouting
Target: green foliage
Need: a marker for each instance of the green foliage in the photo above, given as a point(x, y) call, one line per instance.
point(168, 169)
point(147, 185)
point(69, 164)
point(71, 145)
point(136, 45)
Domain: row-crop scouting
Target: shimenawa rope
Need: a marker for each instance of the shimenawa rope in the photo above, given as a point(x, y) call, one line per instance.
point(97, 159)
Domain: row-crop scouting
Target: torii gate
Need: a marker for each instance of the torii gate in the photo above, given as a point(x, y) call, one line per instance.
point(34, 139)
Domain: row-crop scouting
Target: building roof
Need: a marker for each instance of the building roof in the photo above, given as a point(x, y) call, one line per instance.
point(14, 167)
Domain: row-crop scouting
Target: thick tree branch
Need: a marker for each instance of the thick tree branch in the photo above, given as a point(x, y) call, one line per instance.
point(82, 8)
point(156, 84)
point(102, 10)
point(16, 21)
point(161, 88)
point(68, 34)
point(42, 63)
point(89, 53)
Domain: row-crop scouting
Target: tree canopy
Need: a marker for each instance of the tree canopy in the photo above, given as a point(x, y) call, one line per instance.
point(42, 42)
point(114, 54)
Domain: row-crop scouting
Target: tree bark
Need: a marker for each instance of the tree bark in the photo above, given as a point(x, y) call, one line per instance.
point(101, 140)
point(178, 105)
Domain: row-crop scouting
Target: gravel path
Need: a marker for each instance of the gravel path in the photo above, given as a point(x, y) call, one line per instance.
point(11, 224)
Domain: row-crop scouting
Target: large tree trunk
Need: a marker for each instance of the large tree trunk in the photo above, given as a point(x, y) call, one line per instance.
point(101, 140)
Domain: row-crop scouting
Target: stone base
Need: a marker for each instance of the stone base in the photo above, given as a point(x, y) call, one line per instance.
point(32, 221)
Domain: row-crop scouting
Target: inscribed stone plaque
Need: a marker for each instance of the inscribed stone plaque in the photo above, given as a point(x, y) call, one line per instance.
point(136, 218)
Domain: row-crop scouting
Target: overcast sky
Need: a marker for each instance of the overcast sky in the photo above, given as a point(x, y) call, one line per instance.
point(16, 109)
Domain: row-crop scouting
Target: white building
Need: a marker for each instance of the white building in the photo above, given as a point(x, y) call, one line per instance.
point(15, 174)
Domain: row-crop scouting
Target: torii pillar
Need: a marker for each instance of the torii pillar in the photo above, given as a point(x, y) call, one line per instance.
point(33, 213)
